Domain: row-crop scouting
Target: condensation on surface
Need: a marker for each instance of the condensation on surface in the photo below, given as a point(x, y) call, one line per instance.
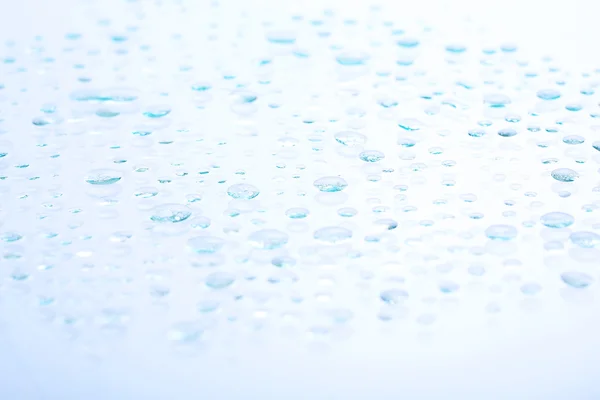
point(239, 200)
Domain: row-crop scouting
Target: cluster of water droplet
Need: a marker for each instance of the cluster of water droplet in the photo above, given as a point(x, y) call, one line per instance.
point(321, 172)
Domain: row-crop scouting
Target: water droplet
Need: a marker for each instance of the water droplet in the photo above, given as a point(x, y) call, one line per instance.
point(332, 234)
point(585, 239)
point(170, 213)
point(205, 244)
point(507, 132)
point(268, 239)
point(557, 219)
point(394, 296)
point(243, 191)
point(371, 156)
point(496, 100)
point(297, 213)
point(103, 177)
point(573, 139)
point(350, 138)
point(548, 94)
point(157, 111)
point(501, 232)
point(219, 280)
point(577, 280)
point(564, 174)
point(281, 37)
point(331, 184)
point(352, 58)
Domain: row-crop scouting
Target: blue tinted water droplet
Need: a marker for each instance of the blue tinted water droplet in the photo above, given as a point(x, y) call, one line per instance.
point(350, 138)
point(297, 213)
point(501, 232)
point(201, 86)
point(243, 191)
point(507, 132)
point(596, 145)
point(574, 107)
point(577, 280)
point(496, 100)
point(352, 58)
point(573, 139)
point(371, 156)
point(393, 296)
point(408, 42)
point(170, 213)
point(548, 94)
point(219, 280)
point(200, 222)
point(347, 212)
point(103, 177)
point(332, 234)
point(281, 37)
point(477, 132)
point(564, 174)
point(268, 239)
point(207, 306)
point(331, 184)
point(557, 219)
point(283, 262)
point(157, 111)
point(205, 244)
point(531, 288)
point(585, 239)
point(449, 287)
point(456, 48)
point(185, 332)
point(10, 237)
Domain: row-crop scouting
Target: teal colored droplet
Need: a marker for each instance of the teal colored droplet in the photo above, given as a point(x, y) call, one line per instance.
point(243, 191)
point(205, 244)
point(577, 280)
point(564, 174)
point(573, 139)
point(585, 239)
point(170, 213)
point(331, 184)
point(548, 94)
point(501, 232)
point(332, 234)
point(350, 138)
point(219, 280)
point(371, 156)
point(393, 296)
point(352, 58)
point(103, 177)
point(557, 219)
point(297, 213)
point(268, 239)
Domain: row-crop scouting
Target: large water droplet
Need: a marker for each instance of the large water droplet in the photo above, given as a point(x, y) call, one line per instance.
point(331, 184)
point(577, 280)
point(243, 191)
point(501, 232)
point(557, 219)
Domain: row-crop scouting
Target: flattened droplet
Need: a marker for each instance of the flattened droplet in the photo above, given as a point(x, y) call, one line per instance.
point(557, 219)
point(268, 239)
point(501, 232)
point(103, 177)
point(219, 280)
point(394, 296)
point(331, 184)
point(243, 191)
point(564, 174)
point(170, 213)
point(577, 280)
point(206, 244)
point(332, 234)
